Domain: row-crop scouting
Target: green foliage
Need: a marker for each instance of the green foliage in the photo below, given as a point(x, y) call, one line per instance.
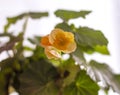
point(67, 14)
point(33, 15)
point(37, 75)
point(91, 40)
point(103, 72)
point(83, 85)
point(38, 78)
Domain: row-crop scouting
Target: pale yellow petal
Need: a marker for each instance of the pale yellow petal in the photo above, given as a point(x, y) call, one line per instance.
point(52, 53)
point(70, 48)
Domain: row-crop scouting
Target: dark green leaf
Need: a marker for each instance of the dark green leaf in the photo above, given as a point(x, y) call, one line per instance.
point(3, 84)
point(38, 53)
point(67, 14)
point(38, 79)
point(104, 73)
point(37, 15)
point(91, 40)
point(5, 80)
point(83, 85)
point(64, 26)
point(6, 63)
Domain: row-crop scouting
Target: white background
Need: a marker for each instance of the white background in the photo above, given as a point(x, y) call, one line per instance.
point(105, 17)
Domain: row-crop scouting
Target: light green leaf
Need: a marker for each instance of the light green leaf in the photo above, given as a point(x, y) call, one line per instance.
point(72, 70)
point(26, 48)
point(83, 85)
point(102, 49)
point(38, 79)
point(68, 14)
point(104, 73)
point(91, 40)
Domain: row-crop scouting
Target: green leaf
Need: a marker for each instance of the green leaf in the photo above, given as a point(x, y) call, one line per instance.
point(102, 49)
point(79, 56)
point(83, 85)
point(5, 76)
point(68, 14)
point(38, 79)
point(37, 15)
point(64, 26)
point(38, 53)
point(103, 72)
point(26, 48)
point(72, 70)
point(3, 84)
point(91, 40)
point(13, 20)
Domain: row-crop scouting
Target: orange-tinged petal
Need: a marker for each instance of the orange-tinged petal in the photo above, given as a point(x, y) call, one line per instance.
point(45, 41)
point(52, 53)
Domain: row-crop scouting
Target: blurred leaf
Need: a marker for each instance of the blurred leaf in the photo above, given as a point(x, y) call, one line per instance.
point(9, 45)
point(38, 53)
point(79, 56)
point(104, 73)
point(3, 84)
point(72, 69)
point(38, 79)
point(91, 40)
point(6, 63)
point(28, 48)
point(67, 14)
point(83, 85)
point(5, 80)
point(64, 26)
point(102, 49)
point(13, 20)
point(37, 15)
point(35, 40)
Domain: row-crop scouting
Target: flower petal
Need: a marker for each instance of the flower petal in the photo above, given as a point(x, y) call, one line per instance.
point(62, 40)
point(45, 41)
point(70, 48)
point(51, 52)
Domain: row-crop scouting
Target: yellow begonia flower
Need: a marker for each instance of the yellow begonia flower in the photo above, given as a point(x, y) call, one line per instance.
point(62, 40)
point(58, 41)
